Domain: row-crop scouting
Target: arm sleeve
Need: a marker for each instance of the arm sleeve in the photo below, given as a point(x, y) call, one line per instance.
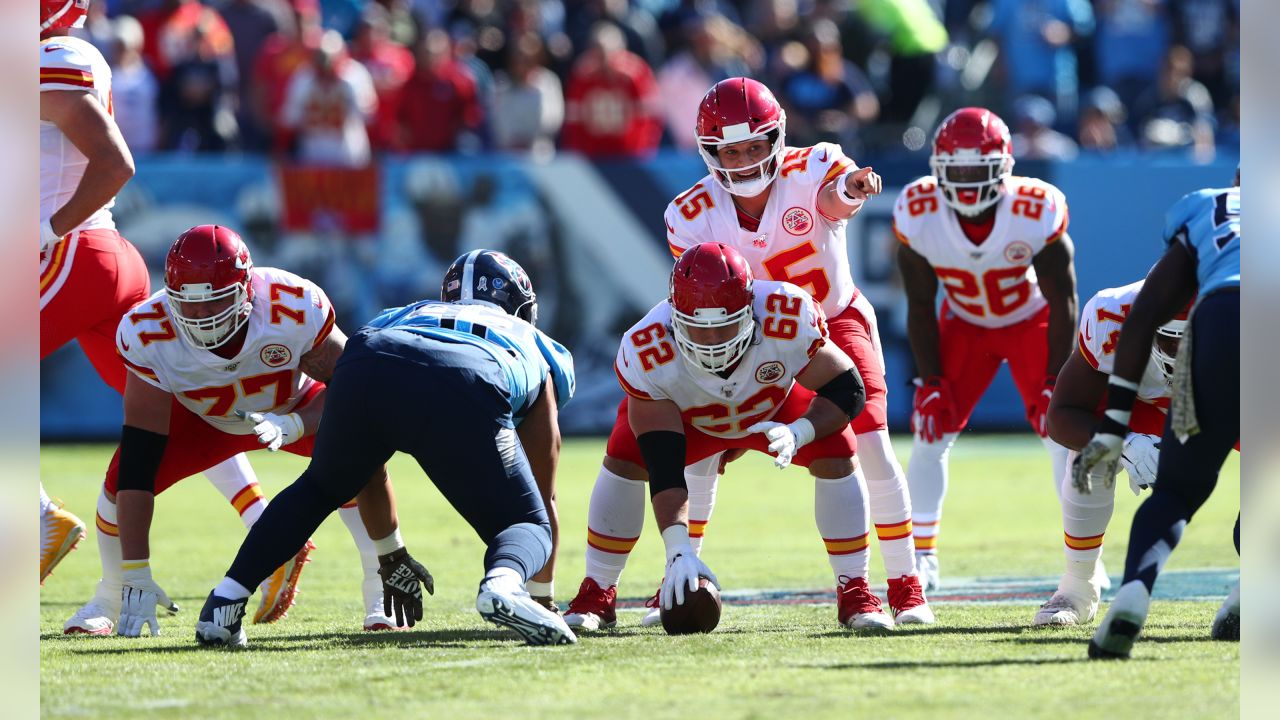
point(560, 364)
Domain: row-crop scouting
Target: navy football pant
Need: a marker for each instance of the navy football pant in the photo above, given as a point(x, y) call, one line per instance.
point(1188, 472)
point(446, 404)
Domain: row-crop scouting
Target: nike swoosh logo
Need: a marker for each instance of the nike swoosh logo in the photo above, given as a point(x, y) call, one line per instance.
point(670, 229)
point(51, 48)
point(124, 345)
point(824, 156)
point(1088, 336)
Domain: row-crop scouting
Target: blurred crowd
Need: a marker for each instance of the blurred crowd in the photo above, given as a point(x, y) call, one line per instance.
point(337, 82)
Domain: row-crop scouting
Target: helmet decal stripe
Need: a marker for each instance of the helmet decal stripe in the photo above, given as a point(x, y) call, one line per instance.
point(468, 274)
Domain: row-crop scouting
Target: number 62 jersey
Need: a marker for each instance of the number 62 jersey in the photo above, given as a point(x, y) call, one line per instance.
point(290, 316)
point(790, 329)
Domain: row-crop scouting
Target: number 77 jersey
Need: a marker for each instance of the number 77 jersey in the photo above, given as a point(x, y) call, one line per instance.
point(290, 316)
point(992, 283)
point(790, 329)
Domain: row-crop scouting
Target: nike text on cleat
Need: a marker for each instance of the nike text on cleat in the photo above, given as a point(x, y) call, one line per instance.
point(220, 622)
point(60, 532)
point(504, 601)
point(907, 601)
point(1120, 628)
point(281, 589)
point(93, 618)
point(1226, 623)
point(593, 608)
point(858, 608)
point(1074, 603)
point(927, 571)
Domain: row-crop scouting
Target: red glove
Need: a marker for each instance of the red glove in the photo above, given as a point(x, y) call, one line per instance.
point(934, 409)
point(1038, 410)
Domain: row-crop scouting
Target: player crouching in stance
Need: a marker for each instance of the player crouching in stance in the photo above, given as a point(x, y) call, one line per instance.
point(481, 364)
point(225, 359)
point(726, 363)
point(1202, 232)
point(1076, 406)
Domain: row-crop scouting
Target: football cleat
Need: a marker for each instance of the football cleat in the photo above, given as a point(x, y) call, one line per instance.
point(221, 622)
point(1226, 624)
point(858, 608)
point(927, 571)
point(93, 618)
point(1074, 603)
point(504, 601)
point(377, 620)
point(281, 589)
point(654, 616)
point(1120, 628)
point(593, 608)
point(906, 600)
point(60, 532)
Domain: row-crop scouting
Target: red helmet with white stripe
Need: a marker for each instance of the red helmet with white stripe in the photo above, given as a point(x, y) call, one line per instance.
point(734, 111)
point(58, 14)
point(972, 155)
point(208, 279)
point(711, 287)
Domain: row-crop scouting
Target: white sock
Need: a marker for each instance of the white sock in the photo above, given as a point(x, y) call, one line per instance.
point(235, 479)
point(109, 554)
point(702, 479)
point(1084, 522)
point(615, 518)
point(541, 589)
point(44, 500)
point(231, 590)
point(927, 480)
point(371, 585)
point(840, 509)
point(890, 502)
point(503, 572)
point(1058, 455)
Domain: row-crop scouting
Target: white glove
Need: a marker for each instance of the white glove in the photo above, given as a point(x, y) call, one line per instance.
point(47, 236)
point(785, 440)
point(1100, 457)
point(683, 568)
point(139, 598)
point(1141, 458)
point(274, 430)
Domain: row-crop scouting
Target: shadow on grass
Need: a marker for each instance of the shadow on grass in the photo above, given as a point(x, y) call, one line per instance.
point(461, 639)
point(934, 665)
point(917, 630)
point(1038, 639)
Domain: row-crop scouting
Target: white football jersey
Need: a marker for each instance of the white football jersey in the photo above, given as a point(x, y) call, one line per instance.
point(790, 329)
point(1100, 323)
point(69, 63)
point(794, 242)
point(991, 284)
point(290, 316)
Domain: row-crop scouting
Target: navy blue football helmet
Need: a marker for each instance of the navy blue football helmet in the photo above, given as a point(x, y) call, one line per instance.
point(492, 277)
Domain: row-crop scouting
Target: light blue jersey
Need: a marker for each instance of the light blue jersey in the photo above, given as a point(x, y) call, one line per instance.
point(1207, 223)
point(525, 352)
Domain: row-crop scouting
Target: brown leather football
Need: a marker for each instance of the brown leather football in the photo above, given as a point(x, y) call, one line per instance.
point(700, 612)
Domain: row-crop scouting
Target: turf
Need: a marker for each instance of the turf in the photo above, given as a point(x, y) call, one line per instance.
point(763, 661)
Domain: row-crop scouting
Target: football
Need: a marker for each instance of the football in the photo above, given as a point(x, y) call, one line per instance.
point(700, 612)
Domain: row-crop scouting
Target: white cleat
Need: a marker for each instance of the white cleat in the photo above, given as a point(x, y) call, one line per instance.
point(504, 601)
point(1120, 628)
point(1075, 603)
point(1226, 624)
point(93, 618)
point(651, 618)
point(927, 571)
point(377, 620)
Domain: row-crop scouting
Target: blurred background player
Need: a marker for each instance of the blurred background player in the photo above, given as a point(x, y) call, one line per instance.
point(1202, 232)
point(225, 359)
point(89, 275)
point(784, 210)
point(999, 246)
point(1078, 400)
point(477, 353)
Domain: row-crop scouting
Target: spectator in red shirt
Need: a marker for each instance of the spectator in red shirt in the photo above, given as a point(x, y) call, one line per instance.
point(171, 37)
point(611, 100)
point(439, 103)
point(282, 55)
point(390, 66)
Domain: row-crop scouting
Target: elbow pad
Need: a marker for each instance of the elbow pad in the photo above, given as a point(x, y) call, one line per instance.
point(663, 452)
point(847, 392)
point(140, 455)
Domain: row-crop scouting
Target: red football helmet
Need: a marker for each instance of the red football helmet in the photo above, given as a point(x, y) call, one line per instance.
point(733, 111)
point(57, 14)
point(972, 155)
point(207, 265)
point(711, 288)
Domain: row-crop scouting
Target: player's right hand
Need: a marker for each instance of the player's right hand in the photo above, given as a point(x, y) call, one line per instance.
point(684, 568)
point(273, 430)
point(139, 597)
point(933, 408)
point(1141, 458)
point(402, 581)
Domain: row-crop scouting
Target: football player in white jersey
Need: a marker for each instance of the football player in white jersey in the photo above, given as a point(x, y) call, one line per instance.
point(89, 275)
point(225, 359)
point(731, 363)
point(784, 210)
point(998, 245)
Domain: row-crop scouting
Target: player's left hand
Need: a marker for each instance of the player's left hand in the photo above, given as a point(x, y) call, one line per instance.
point(1100, 457)
point(139, 597)
point(1038, 410)
point(1141, 458)
point(273, 430)
point(402, 581)
point(784, 440)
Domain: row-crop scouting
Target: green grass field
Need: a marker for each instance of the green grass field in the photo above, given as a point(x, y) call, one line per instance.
point(980, 660)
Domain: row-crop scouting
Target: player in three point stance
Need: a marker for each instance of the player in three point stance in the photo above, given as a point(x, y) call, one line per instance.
point(731, 363)
point(998, 244)
point(446, 382)
point(90, 276)
point(226, 359)
point(1202, 232)
point(784, 210)
point(1077, 404)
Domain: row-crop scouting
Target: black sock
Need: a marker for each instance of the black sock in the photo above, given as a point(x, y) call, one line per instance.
point(523, 547)
point(1157, 528)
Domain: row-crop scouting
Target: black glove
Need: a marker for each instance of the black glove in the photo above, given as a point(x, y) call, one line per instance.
point(402, 580)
